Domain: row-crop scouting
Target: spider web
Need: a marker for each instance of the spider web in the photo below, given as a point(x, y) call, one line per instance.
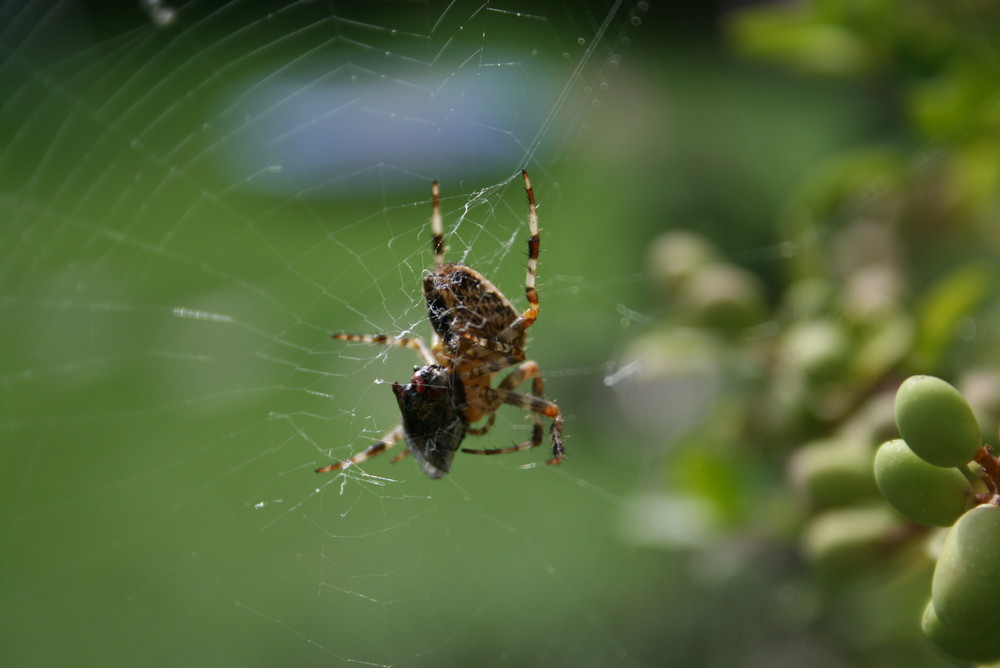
point(195, 196)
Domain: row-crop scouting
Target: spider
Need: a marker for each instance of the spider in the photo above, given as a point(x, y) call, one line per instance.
point(477, 334)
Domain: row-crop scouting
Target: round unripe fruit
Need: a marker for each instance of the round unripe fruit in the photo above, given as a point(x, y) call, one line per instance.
point(980, 646)
point(819, 347)
point(920, 491)
point(677, 254)
point(832, 472)
point(849, 540)
point(965, 588)
point(936, 422)
point(721, 295)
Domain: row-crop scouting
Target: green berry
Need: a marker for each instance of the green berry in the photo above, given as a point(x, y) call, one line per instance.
point(965, 588)
point(849, 540)
point(832, 472)
point(677, 254)
point(920, 491)
point(936, 422)
point(819, 347)
point(980, 646)
point(721, 295)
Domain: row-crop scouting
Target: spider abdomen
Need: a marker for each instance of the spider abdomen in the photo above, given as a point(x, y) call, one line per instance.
point(461, 301)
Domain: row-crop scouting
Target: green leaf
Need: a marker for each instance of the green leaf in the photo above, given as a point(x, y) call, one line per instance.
point(951, 298)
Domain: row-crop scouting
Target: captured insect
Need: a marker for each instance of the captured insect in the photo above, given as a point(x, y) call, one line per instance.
point(477, 334)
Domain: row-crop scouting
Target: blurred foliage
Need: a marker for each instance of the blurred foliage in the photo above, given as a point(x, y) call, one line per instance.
point(170, 382)
point(889, 252)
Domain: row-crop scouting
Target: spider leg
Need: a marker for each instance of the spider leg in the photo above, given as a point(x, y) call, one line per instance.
point(401, 455)
point(437, 243)
point(499, 364)
point(413, 343)
point(512, 380)
point(508, 350)
point(527, 318)
point(387, 441)
point(479, 431)
point(536, 404)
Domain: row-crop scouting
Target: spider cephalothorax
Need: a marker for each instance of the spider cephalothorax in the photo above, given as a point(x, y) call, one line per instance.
point(477, 333)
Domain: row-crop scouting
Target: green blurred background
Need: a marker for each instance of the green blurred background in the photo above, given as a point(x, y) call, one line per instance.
point(194, 197)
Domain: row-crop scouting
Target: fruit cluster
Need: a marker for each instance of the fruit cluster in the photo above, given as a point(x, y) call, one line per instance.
point(802, 381)
point(939, 474)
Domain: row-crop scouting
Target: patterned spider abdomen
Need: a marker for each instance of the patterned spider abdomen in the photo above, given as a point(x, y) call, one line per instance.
point(433, 422)
point(461, 301)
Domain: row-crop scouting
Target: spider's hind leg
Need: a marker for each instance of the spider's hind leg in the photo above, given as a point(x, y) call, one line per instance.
point(437, 227)
point(512, 380)
point(510, 352)
point(538, 406)
point(527, 319)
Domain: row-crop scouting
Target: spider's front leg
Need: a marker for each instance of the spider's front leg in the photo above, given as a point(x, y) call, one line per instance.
point(386, 442)
point(397, 434)
point(411, 342)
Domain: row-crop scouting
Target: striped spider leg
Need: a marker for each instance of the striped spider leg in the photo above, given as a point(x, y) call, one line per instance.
point(504, 394)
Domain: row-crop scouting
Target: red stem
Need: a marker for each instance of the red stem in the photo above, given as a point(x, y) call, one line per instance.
point(991, 468)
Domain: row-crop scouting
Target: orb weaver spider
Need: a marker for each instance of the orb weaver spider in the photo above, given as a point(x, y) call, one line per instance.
point(477, 334)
